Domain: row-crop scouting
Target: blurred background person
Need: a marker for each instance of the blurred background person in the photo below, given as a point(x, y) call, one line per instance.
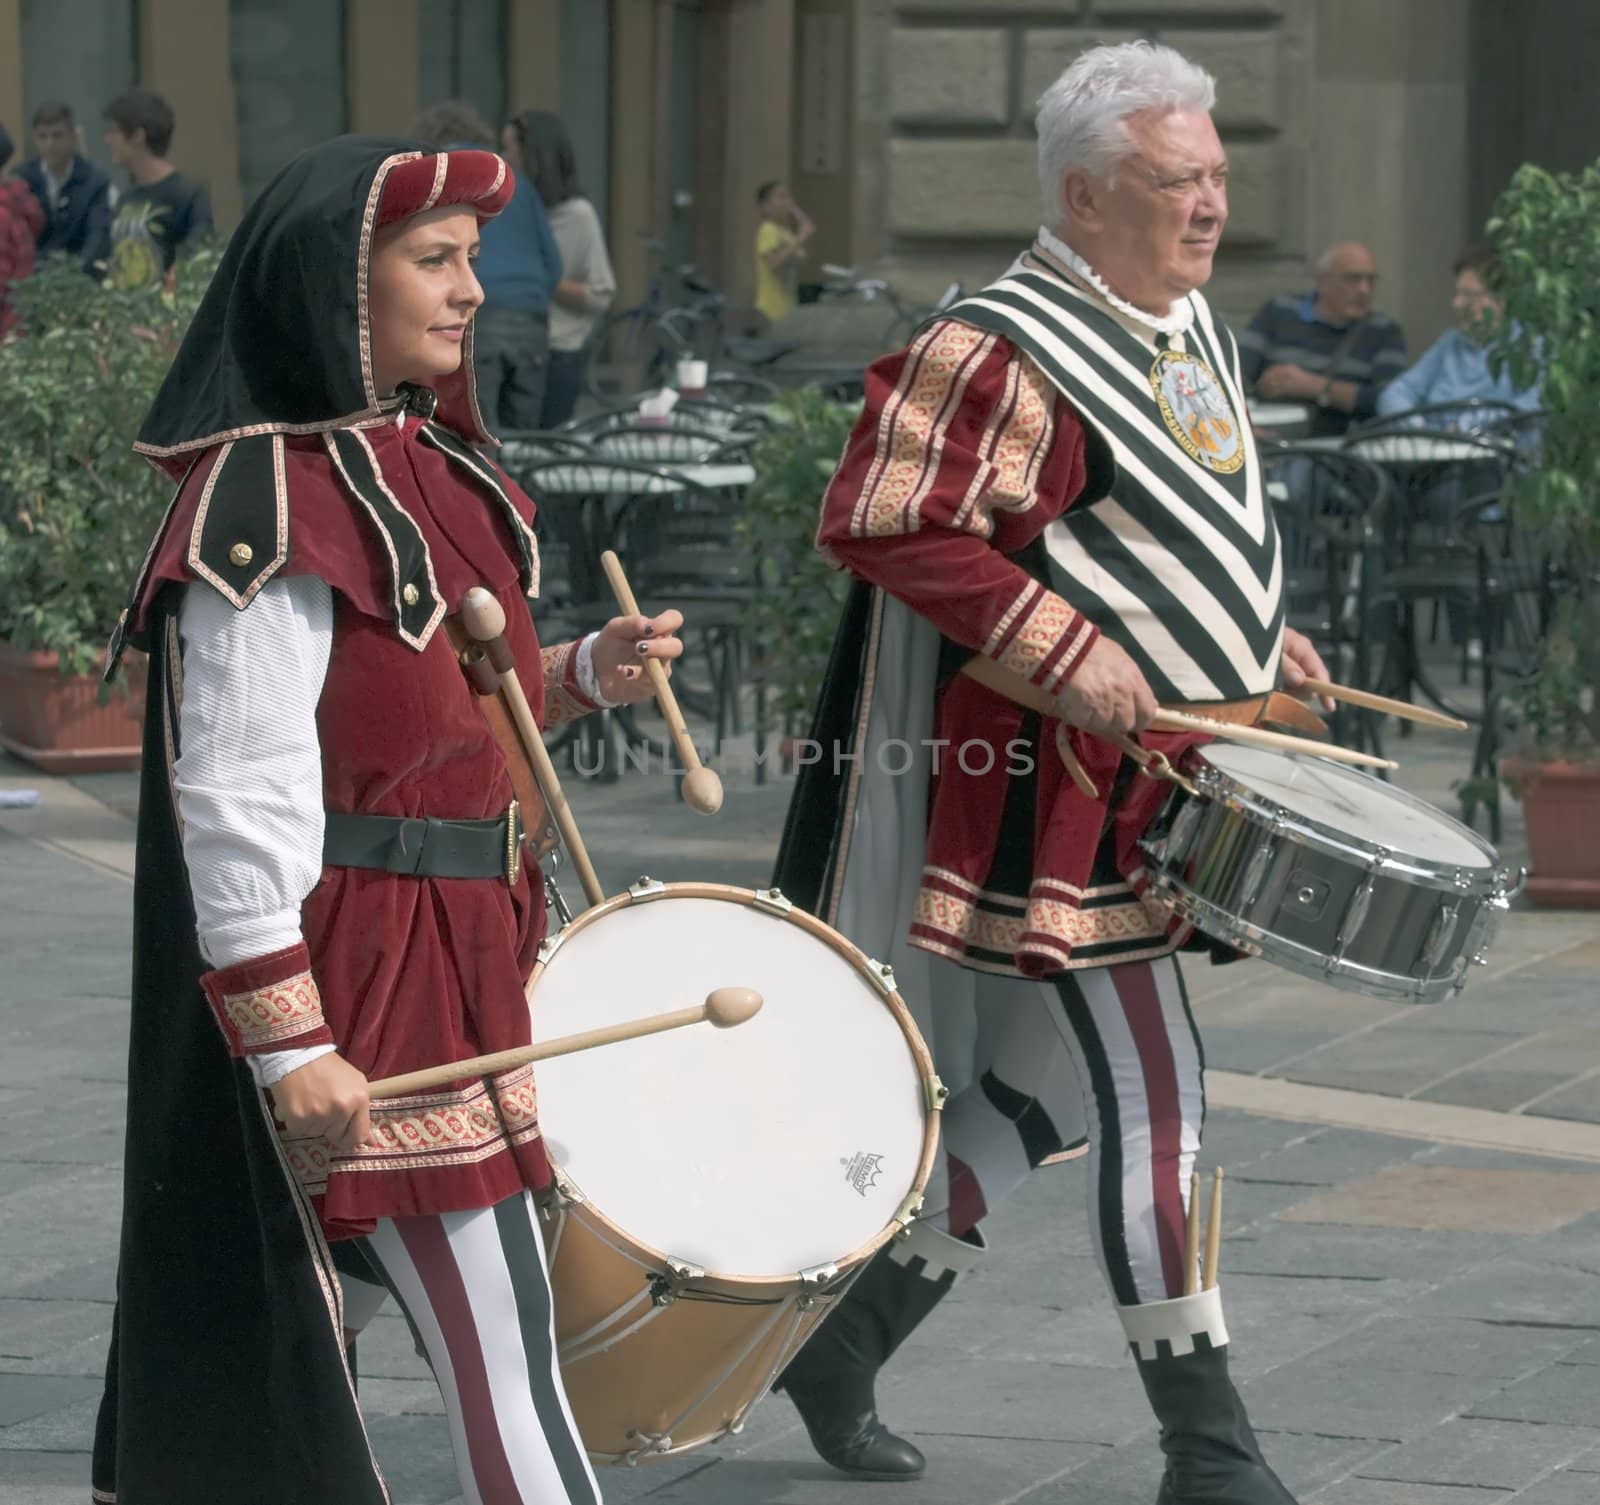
point(780, 247)
point(1329, 348)
point(21, 220)
point(1457, 367)
point(538, 146)
point(75, 193)
point(163, 211)
point(518, 267)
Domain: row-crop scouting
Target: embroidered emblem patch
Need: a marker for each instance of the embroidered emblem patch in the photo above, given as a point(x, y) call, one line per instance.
point(1197, 410)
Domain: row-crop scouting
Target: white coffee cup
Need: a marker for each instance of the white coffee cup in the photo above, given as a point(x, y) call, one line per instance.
point(692, 377)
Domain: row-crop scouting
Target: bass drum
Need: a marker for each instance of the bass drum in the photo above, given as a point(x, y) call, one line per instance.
point(716, 1190)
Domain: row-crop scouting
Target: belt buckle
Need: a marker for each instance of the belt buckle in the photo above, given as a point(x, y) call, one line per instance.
point(513, 843)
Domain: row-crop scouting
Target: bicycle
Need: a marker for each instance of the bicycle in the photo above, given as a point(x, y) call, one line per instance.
point(657, 332)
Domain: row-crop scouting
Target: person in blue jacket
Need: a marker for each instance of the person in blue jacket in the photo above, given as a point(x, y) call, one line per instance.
point(75, 193)
point(1458, 366)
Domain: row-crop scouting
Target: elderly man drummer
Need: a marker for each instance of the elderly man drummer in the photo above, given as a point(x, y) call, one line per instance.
point(1058, 476)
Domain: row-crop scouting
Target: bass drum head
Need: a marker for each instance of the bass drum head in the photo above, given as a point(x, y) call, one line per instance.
point(1353, 806)
point(782, 1144)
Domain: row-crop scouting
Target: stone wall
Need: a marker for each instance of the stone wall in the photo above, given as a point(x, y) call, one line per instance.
point(963, 78)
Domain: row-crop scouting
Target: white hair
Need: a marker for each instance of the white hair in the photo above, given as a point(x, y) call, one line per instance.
point(1082, 120)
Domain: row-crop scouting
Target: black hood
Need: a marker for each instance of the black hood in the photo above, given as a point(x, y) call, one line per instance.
point(280, 342)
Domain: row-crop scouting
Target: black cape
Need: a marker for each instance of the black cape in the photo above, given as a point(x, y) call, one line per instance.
point(227, 1381)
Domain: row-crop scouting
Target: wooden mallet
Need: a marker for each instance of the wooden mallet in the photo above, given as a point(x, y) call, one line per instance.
point(484, 620)
point(723, 1009)
point(702, 789)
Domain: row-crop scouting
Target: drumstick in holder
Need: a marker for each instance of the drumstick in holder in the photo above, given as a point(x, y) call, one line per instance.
point(702, 789)
point(485, 622)
point(1213, 1232)
point(723, 1009)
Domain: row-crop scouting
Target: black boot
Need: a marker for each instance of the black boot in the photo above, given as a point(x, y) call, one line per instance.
point(1181, 1347)
point(831, 1379)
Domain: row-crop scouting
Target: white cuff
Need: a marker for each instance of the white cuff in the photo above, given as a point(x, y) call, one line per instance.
point(588, 680)
point(270, 1066)
point(1178, 1323)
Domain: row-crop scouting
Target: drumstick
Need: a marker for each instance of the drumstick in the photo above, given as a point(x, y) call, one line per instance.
point(1014, 687)
point(702, 789)
point(1255, 736)
point(485, 621)
point(1213, 1231)
point(722, 1009)
point(1191, 1242)
point(1401, 708)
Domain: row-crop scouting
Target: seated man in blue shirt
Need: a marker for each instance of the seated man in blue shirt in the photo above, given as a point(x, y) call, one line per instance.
point(1330, 347)
point(75, 193)
point(518, 267)
point(1456, 367)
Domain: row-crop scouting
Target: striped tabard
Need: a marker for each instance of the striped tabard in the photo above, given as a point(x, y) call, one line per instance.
point(1179, 563)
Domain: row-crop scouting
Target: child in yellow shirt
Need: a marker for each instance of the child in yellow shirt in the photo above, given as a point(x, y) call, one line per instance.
point(780, 245)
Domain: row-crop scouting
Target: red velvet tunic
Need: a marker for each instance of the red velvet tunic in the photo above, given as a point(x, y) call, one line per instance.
point(404, 972)
point(963, 456)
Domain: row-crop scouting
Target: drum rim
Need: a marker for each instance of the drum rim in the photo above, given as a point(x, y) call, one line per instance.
point(1306, 961)
point(1494, 878)
point(773, 904)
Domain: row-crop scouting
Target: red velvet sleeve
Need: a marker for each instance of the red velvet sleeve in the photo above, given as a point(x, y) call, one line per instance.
point(963, 454)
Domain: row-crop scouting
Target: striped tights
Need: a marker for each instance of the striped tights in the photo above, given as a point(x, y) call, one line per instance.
point(1110, 1053)
point(476, 1292)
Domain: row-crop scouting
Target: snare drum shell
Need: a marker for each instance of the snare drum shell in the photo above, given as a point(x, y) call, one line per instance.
point(1378, 924)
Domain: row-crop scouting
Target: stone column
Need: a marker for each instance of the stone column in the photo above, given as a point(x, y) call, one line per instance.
point(1389, 148)
point(383, 82)
point(11, 110)
point(185, 55)
point(533, 56)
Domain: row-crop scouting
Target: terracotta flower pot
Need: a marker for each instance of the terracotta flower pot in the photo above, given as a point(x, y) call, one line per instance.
point(54, 721)
point(1561, 805)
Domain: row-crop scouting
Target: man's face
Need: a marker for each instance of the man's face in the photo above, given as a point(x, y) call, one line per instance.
point(1156, 221)
point(121, 146)
point(1346, 289)
point(57, 143)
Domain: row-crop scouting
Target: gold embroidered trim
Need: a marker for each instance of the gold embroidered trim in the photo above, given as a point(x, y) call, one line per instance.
point(1045, 623)
point(911, 428)
point(279, 1011)
point(429, 1130)
point(961, 921)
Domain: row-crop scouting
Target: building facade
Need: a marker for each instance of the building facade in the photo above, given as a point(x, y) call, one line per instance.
point(905, 126)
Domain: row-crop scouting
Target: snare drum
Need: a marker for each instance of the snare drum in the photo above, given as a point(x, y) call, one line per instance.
point(1328, 872)
point(716, 1190)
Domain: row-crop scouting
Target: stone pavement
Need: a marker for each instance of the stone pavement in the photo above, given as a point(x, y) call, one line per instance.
point(1415, 1312)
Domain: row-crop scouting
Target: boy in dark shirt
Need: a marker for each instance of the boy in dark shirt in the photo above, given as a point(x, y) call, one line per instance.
point(163, 211)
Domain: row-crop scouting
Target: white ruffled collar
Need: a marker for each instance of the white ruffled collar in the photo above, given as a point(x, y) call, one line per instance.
point(1177, 321)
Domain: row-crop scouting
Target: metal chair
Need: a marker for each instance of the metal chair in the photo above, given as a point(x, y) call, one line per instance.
point(653, 443)
point(1425, 560)
point(1330, 508)
point(1516, 584)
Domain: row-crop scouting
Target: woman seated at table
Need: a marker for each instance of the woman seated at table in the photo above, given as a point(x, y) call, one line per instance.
point(1458, 366)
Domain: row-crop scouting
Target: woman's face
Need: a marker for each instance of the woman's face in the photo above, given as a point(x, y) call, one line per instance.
point(511, 148)
point(422, 294)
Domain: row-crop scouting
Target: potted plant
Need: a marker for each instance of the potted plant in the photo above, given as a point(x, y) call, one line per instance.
point(1547, 232)
point(77, 506)
point(798, 596)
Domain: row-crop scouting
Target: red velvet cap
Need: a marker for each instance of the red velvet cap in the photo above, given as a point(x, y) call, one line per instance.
point(479, 178)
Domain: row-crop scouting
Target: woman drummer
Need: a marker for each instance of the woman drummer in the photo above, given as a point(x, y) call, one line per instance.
point(327, 887)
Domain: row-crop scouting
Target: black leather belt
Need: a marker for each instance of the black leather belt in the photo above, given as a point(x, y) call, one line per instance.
point(426, 848)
